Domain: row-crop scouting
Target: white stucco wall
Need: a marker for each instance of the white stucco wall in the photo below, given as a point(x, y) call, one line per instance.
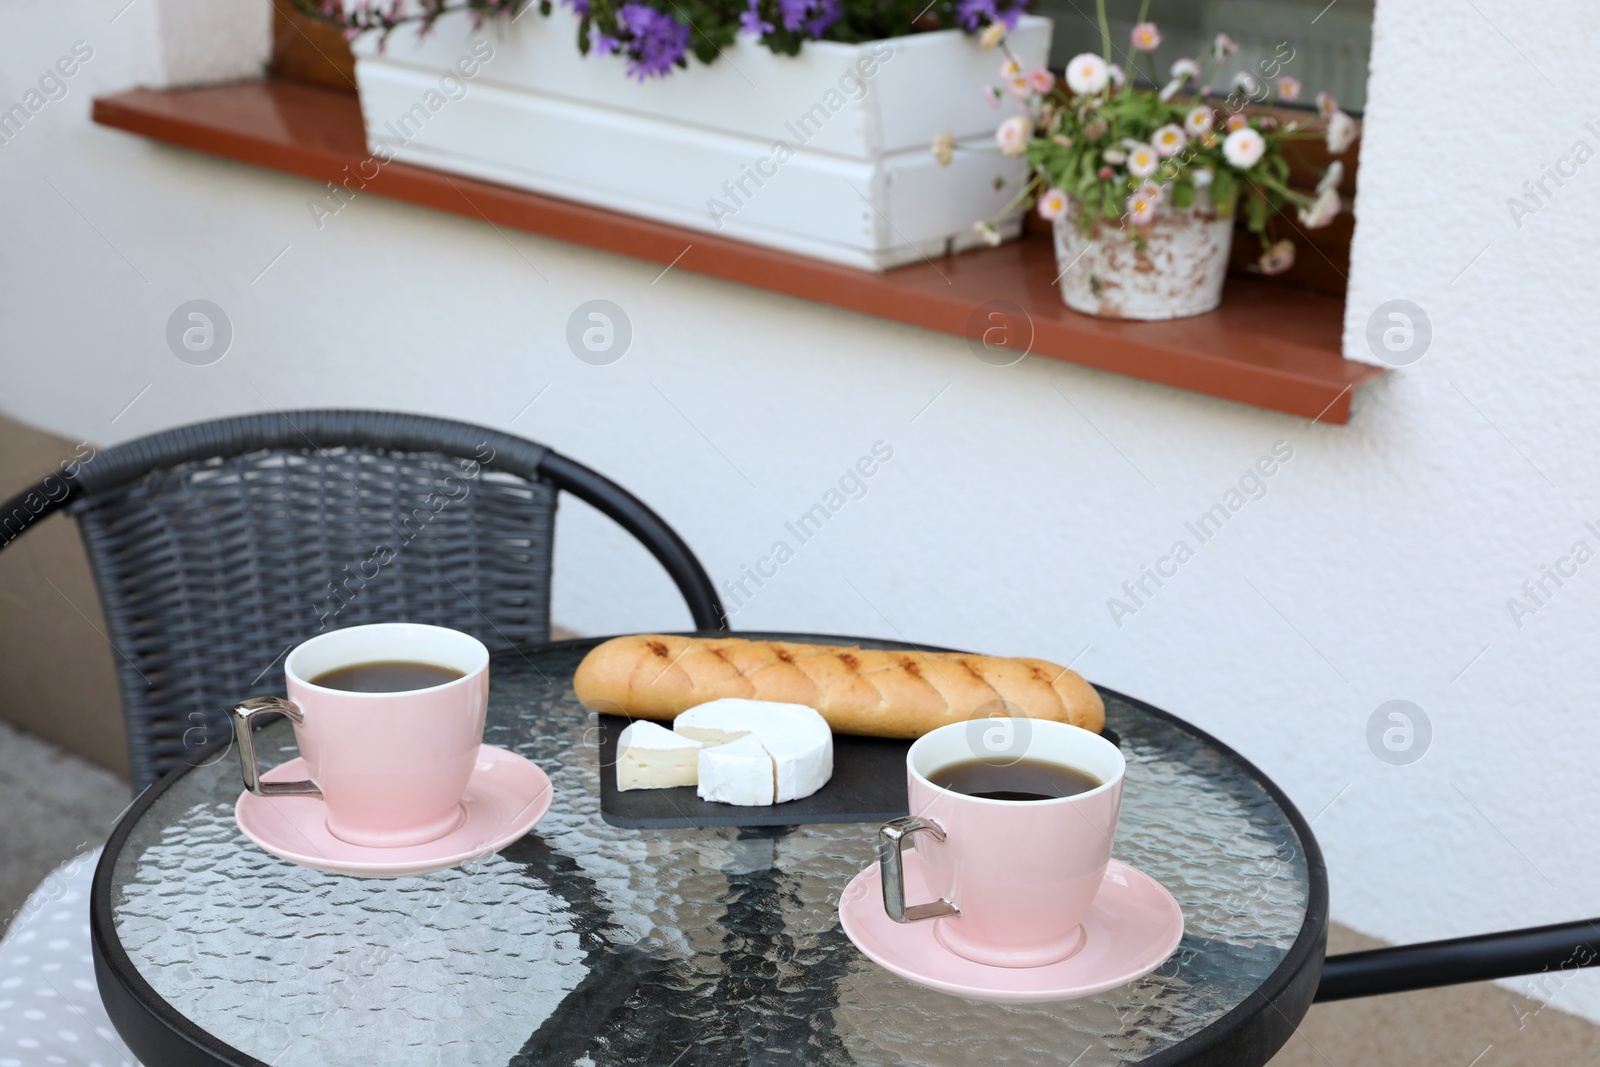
point(1377, 566)
point(206, 41)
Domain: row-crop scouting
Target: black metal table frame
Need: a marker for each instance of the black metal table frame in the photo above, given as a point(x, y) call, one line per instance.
point(1252, 1031)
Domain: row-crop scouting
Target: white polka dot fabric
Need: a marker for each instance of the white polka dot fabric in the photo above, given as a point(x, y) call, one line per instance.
point(50, 1011)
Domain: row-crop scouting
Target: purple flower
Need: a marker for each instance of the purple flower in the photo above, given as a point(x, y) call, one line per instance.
point(752, 22)
point(658, 40)
point(604, 43)
point(824, 14)
point(811, 16)
point(793, 13)
point(579, 7)
point(974, 14)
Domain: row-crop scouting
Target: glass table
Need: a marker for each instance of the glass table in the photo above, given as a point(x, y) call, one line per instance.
point(590, 945)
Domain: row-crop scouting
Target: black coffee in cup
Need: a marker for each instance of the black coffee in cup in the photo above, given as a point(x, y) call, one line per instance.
point(387, 676)
point(1025, 779)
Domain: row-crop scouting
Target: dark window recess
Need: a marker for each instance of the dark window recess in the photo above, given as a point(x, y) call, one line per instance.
point(309, 50)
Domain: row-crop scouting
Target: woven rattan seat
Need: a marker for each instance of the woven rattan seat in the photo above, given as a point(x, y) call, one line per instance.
point(217, 547)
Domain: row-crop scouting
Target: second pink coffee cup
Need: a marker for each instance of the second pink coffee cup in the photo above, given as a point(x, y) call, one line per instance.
point(1012, 879)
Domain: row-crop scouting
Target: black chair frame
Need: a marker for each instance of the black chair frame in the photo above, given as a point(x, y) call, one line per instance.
point(212, 540)
point(56, 491)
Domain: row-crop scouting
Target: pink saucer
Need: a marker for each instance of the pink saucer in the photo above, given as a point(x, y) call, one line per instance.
point(1132, 928)
point(506, 796)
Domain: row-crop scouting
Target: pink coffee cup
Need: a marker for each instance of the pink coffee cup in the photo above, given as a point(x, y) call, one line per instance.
point(391, 767)
point(1013, 879)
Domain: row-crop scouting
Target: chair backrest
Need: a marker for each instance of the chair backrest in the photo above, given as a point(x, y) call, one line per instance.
point(218, 547)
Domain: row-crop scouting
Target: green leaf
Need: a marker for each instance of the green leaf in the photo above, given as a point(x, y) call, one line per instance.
point(1224, 193)
point(1255, 214)
point(1182, 194)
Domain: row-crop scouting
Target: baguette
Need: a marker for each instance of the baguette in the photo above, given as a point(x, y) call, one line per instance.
point(871, 692)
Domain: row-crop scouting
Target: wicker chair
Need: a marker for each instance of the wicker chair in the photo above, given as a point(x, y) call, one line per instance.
point(219, 546)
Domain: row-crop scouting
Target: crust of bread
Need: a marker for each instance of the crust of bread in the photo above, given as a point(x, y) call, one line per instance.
point(873, 692)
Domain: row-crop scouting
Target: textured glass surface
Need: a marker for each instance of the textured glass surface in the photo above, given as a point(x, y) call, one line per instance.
point(588, 944)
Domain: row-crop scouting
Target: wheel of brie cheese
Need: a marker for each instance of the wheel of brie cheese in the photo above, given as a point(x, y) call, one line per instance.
point(796, 738)
point(734, 751)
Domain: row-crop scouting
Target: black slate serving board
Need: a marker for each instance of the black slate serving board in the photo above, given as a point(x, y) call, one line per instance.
point(868, 785)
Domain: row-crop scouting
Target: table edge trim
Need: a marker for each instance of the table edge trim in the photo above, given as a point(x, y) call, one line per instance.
point(112, 962)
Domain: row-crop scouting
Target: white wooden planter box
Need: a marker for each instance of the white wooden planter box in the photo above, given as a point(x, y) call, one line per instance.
point(700, 147)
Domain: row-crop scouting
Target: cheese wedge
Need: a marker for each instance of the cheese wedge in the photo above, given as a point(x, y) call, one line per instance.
point(653, 757)
point(738, 772)
point(795, 737)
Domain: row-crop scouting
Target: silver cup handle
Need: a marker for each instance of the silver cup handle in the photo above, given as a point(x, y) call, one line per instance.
point(892, 837)
point(242, 714)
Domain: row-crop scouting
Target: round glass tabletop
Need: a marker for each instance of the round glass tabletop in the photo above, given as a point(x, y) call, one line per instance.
point(592, 945)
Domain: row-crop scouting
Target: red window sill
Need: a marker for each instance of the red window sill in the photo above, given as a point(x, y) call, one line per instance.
point(1267, 346)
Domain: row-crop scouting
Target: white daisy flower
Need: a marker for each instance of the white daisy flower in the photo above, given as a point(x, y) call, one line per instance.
point(944, 147)
point(1087, 74)
point(1117, 76)
point(1013, 134)
point(990, 235)
point(1198, 121)
point(1142, 204)
point(1169, 140)
point(1277, 259)
point(1053, 204)
point(1114, 156)
point(1244, 148)
point(1341, 132)
point(1143, 161)
point(992, 35)
point(1009, 69)
point(1184, 69)
point(1331, 177)
point(1323, 210)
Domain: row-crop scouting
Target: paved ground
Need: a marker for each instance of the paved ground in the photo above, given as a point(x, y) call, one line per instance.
point(53, 804)
point(1480, 1025)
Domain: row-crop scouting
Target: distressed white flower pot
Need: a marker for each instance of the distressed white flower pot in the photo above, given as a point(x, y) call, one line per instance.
point(781, 151)
point(1178, 273)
